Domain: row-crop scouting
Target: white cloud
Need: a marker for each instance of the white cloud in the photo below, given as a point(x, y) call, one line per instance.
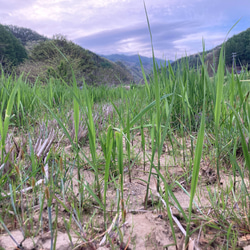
point(177, 25)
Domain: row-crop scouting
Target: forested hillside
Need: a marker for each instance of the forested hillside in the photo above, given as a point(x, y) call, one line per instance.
point(25, 35)
point(43, 59)
point(29, 38)
point(12, 51)
point(240, 45)
point(54, 57)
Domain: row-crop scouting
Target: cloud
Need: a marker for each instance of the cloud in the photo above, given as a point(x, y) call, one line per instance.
point(120, 26)
point(136, 38)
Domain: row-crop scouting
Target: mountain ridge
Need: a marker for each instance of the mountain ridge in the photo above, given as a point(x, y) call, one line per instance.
point(132, 63)
point(45, 61)
point(238, 44)
point(100, 68)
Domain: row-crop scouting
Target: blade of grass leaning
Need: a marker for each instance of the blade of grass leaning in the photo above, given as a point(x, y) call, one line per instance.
point(49, 201)
point(76, 106)
point(9, 233)
point(243, 140)
point(171, 194)
point(119, 113)
point(4, 124)
point(168, 110)
point(145, 110)
point(196, 167)
point(13, 199)
point(119, 144)
point(232, 93)
point(145, 78)
point(186, 192)
point(143, 145)
point(76, 114)
point(67, 227)
point(109, 145)
point(92, 193)
point(153, 149)
point(128, 143)
point(40, 219)
point(157, 99)
point(55, 227)
point(32, 155)
point(18, 103)
point(241, 173)
point(168, 192)
point(92, 136)
point(59, 122)
point(219, 98)
point(75, 95)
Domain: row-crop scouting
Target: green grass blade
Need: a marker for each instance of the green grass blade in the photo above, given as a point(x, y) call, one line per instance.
point(196, 167)
point(93, 194)
point(145, 78)
point(76, 107)
point(4, 124)
point(243, 140)
point(145, 110)
point(109, 145)
point(219, 88)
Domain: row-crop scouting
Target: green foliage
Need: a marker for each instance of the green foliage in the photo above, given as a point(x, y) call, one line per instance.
point(12, 52)
point(106, 64)
point(53, 63)
point(24, 35)
point(4, 123)
point(239, 44)
point(85, 64)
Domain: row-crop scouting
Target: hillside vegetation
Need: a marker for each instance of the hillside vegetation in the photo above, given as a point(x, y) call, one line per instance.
point(54, 57)
point(24, 35)
point(12, 52)
point(194, 61)
point(239, 44)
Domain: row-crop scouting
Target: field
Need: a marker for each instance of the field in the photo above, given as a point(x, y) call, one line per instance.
point(162, 165)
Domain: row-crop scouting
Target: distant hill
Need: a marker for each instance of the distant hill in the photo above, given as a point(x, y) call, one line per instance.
point(239, 44)
point(44, 60)
point(194, 61)
point(132, 63)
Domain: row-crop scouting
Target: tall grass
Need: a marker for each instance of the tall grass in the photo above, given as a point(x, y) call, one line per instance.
point(8, 98)
point(174, 106)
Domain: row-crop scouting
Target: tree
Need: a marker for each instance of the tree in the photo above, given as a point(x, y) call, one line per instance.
point(24, 35)
point(239, 44)
point(12, 52)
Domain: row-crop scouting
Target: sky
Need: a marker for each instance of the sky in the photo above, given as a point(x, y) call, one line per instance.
point(120, 26)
